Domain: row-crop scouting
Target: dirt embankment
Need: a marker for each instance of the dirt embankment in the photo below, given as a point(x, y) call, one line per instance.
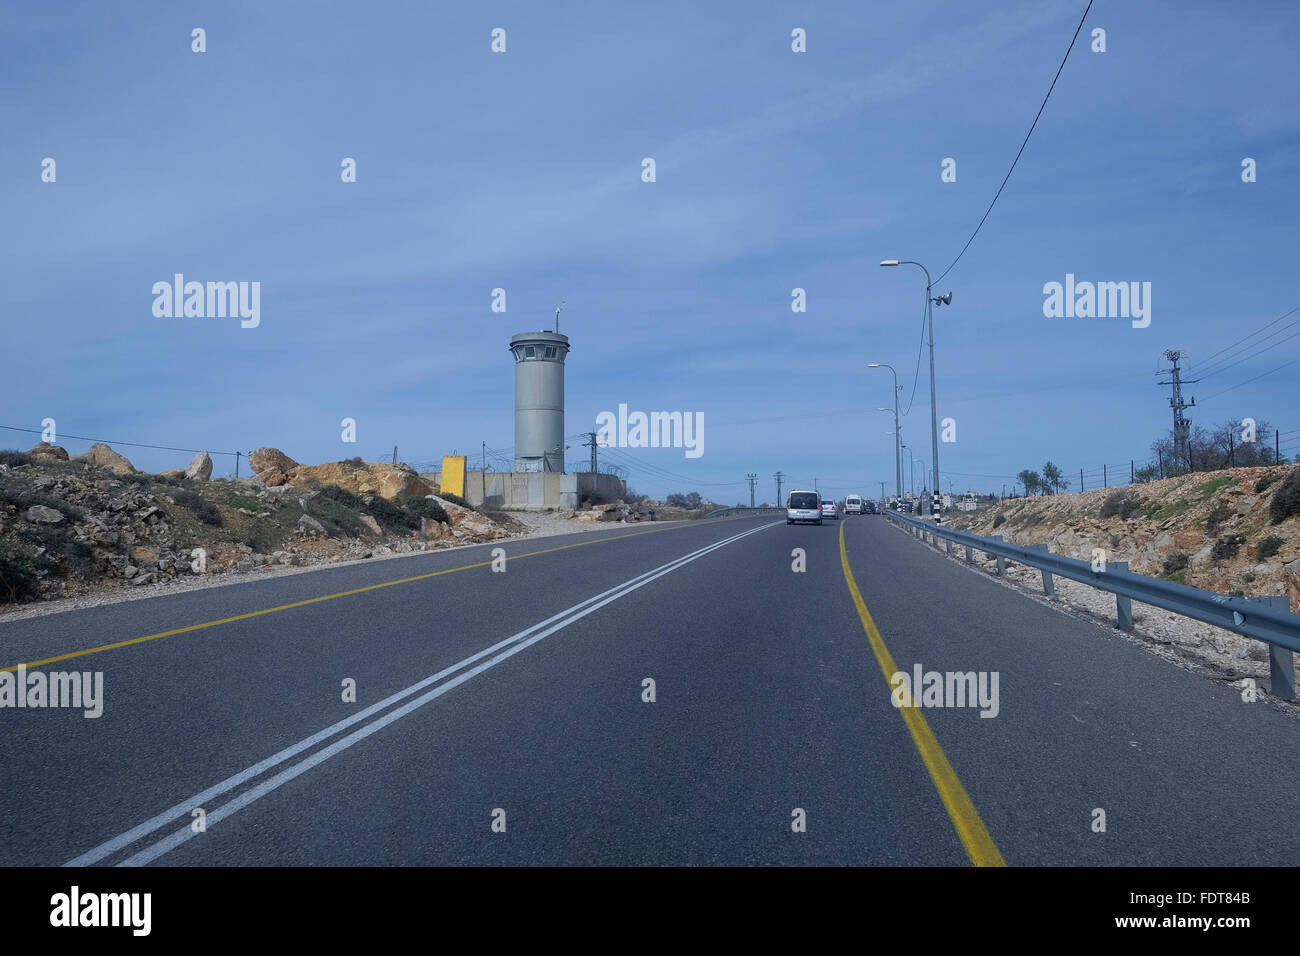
point(75, 526)
point(1235, 531)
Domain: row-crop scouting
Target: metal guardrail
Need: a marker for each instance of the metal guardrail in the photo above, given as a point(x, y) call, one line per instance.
point(1268, 619)
point(749, 511)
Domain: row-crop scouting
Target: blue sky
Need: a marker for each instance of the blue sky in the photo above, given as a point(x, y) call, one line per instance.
point(522, 170)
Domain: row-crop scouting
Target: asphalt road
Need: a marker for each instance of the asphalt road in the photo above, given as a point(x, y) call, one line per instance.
point(516, 698)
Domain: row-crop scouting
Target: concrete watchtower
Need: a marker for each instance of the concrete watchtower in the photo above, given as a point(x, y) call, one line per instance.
point(539, 399)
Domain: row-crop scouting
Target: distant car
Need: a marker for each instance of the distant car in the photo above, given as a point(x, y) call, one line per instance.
point(803, 506)
point(830, 509)
point(869, 508)
point(853, 505)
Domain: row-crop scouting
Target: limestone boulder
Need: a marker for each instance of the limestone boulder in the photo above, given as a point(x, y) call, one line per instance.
point(200, 468)
point(40, 514)
point(104, 456)
point(46, 450)
point(265, 459)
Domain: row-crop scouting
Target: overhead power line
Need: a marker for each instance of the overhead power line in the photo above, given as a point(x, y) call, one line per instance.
point(129, 444)
point(1197, 367)
point(1022, 146)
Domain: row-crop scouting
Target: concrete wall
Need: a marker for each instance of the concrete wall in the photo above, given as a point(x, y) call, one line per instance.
point(528, 491)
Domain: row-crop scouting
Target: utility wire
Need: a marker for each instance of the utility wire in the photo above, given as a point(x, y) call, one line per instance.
point(130, 444)
point(1255, 379)
point(1260, 349)
point(1205, 363)
point(1022, 145)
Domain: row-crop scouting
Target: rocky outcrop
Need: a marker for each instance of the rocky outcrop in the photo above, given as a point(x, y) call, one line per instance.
point(363, 478)
point(200, 468)
point(265, 459)
point(100, 454)
point(46, 450)
point(467, 520)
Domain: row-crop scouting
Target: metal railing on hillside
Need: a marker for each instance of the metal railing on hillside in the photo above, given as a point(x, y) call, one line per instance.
point(1268, 619)
point(748, 511)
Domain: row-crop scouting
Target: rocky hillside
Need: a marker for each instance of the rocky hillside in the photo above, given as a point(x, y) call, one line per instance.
point(1235, 531)
point(76, 525)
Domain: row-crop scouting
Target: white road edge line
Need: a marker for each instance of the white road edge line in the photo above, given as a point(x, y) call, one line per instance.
point(155, 823)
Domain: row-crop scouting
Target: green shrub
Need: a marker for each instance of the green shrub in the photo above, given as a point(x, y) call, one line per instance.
point(392, 517)
point(998, 521)
point(19, 579)
point(203, 509)
point(22, 500)
point(344, 497)
point(1220, 514)
point(1226, 547)
point(1121, 503)
point(14, 458)
point(1269, 546)
point(1175, 562)
point(426, 508)
point(1286, 500)
point(1265, 481)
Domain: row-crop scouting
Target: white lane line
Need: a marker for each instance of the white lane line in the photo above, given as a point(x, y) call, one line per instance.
point(155, 823)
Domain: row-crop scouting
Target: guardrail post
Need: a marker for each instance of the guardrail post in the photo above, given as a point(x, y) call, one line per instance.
point(949, 540)
point(1002, 562)
point(1049, 584)
point(1123, 605)
point(1281, 661)
point(970, 555)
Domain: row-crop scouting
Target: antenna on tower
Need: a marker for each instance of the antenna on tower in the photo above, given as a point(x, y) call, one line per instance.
point(558, 309)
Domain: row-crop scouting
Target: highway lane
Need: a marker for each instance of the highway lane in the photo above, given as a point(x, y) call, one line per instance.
point(769, 698)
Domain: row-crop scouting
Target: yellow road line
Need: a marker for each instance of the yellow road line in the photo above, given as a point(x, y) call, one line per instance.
point(324, 597)
point(974, 835)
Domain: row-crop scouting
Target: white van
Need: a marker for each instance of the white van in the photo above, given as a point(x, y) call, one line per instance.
point(803, 506)
point(853, 505)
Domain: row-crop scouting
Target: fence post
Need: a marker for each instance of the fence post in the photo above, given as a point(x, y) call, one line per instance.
point(1123, 605)
point(1049, 585)
point(1281, 661)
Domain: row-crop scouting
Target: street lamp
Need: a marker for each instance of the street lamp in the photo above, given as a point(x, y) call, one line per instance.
point(898, 458)
point(934, 411)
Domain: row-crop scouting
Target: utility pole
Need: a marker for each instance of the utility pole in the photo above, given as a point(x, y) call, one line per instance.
point(898, 431)
point(815, 488)
point(753, 480)
point(1105, 481)
point(483, 473)
point(1132, 471)
point(592, 443)
point(1081, 479)
point(237, 461)
point(1182, 425)
point(394, 454)
point(882, 491)
point(778, 476)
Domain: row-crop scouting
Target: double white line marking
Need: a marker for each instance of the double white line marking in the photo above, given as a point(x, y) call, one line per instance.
point(494, 655)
